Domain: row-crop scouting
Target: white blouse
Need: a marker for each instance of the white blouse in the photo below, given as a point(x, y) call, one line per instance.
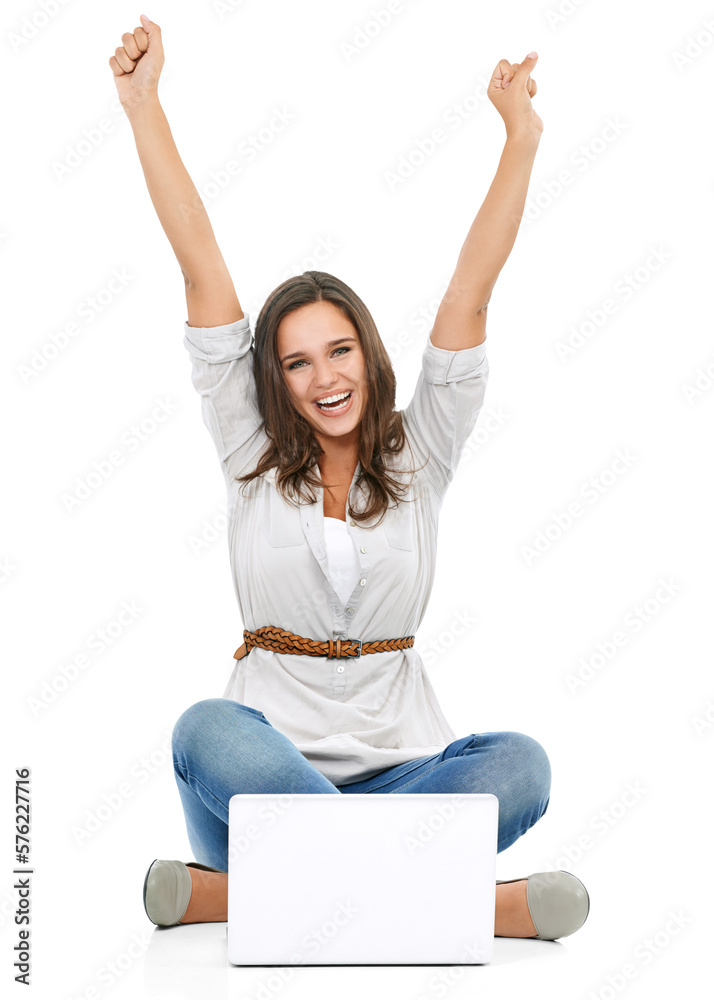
point(355, 716)
point(342, 558)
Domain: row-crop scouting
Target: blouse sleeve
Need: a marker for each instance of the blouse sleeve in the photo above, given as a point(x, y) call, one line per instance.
point(222, 374)
point(443, 410)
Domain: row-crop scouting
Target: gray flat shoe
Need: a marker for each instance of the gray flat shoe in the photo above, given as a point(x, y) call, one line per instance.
point(167, 890)
point(558, 903)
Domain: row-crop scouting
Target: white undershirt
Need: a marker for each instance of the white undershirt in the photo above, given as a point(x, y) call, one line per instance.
point(342, 558)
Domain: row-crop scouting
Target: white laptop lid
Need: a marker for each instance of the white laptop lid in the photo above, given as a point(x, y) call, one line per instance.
point(362, 879)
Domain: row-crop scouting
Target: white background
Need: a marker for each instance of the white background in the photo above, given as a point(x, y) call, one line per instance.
point(608, 209)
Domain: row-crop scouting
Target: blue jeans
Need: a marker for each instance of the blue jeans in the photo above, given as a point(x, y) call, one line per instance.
point(222, 748)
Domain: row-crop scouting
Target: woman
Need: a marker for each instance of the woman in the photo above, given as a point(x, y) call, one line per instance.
point(334, 501)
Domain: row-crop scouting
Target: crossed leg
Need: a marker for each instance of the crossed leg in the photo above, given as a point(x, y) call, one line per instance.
point(222, 748)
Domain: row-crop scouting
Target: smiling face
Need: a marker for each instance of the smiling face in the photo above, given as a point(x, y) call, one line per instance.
point(320, 356)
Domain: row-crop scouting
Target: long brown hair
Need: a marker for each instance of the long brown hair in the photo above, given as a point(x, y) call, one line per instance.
point(294, 449)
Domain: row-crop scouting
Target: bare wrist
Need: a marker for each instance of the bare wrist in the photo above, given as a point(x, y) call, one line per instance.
point(139, 105)
point(525, 138)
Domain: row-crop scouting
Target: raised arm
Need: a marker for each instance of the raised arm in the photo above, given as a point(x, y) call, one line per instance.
point(210, 296)
point(460, 321)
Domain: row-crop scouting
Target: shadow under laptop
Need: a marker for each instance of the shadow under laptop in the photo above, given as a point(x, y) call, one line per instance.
point(191, 961)
point(348, 882)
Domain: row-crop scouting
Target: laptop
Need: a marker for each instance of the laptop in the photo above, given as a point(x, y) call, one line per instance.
point(362, 879)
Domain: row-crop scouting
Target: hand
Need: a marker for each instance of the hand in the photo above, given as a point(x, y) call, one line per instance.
point(137, 63)
point(510, 91)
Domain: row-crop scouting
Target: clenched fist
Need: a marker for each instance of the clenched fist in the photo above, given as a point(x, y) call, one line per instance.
point(510, 91)
point(137, 63)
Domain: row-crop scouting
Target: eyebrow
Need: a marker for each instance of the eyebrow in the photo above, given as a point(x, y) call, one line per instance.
point(330, 343)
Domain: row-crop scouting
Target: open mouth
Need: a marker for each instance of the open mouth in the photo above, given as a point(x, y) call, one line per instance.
point(335, 404)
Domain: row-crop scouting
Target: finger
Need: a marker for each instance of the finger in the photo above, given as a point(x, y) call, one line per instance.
point(123, 59)
point(130, 46)
point(142, 39)
point(509, 79)
point(115, 67)
point(531, 86)
point(523, 69)
point(152, 30)
point(503, 71)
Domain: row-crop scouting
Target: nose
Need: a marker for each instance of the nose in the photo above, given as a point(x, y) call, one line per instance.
point(324, 376)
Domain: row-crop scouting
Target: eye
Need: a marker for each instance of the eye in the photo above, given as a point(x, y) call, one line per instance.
point(290, 367)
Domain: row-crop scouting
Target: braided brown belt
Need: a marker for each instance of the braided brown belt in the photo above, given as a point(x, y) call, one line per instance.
point(279, 640)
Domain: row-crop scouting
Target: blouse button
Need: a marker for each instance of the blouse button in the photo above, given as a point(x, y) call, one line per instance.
point(362, 583)
point(352, 523)
point(363, 548)
point(340, 669)
point(350, 611)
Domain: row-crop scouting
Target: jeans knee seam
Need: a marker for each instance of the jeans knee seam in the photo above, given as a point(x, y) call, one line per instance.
point(208, 792)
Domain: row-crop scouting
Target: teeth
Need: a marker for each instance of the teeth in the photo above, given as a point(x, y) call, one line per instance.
point(333, 399)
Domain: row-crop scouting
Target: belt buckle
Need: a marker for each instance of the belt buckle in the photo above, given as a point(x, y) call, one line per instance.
point(359, 646)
